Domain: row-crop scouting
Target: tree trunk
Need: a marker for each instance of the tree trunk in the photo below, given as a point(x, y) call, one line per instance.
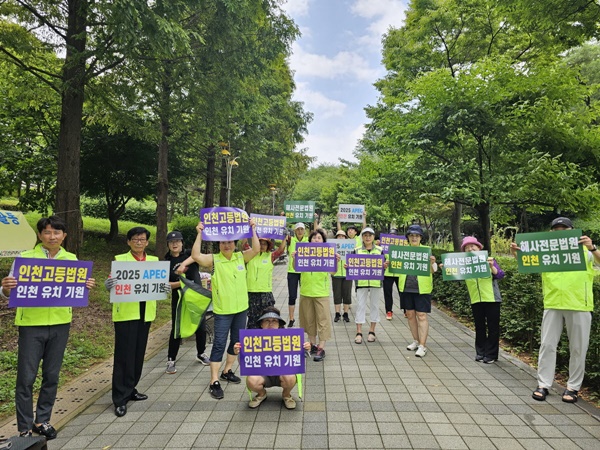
point(483, 209)
point(162, 188)
point(455, 222)
point(114, 226)
point(67, 203)
point(209, 194)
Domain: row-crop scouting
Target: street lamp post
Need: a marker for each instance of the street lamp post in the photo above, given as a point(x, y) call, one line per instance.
point(231, 163)
point(273, 191)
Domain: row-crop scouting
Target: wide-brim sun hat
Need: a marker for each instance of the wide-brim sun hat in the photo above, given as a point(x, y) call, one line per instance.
point(340, 233)
point(470, 240)
point(272, 315)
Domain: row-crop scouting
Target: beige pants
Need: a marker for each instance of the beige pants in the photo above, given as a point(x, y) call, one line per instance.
point(315, 316)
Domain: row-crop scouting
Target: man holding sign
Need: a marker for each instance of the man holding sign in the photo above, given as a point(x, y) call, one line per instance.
point(43, 334)
point(132, 320)
point(568, 298)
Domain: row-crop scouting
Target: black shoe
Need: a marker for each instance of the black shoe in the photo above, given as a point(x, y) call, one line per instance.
point(291, 323)
point(478, 358)
point(137, 397)
point(120, 411)
point(25, 433)
point(346, 318)
point(45, 429)
point(337, 317)
point(216, 391)
point(320, 355)
point(230, 377)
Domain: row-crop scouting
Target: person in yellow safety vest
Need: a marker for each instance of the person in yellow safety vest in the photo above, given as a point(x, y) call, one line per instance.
point(132, 322)
point(352, 231)
point(415, 297)
point(43, 335)
point(293, 277)
point(568, 299)
point(230, 302)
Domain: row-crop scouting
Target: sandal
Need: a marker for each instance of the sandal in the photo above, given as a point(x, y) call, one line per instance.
point(358, 338)
point(371, 337)
point(540, 394)
point(570, 393)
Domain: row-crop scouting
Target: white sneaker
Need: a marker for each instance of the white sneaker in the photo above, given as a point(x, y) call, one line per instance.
point(421, 351)
point(412, 347)
point(171, 368)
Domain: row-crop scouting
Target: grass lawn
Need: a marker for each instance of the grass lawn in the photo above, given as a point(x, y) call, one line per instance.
point(92, 336)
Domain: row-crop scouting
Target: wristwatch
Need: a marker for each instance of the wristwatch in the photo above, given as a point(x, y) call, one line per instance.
point(594, 249)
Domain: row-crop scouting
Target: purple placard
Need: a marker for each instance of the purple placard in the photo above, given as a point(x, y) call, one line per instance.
point(50, 282)
point(315, 257)
point(270, 227)
point(272, 352)
point(225, 224)
point(385, 240)
point(365, 267)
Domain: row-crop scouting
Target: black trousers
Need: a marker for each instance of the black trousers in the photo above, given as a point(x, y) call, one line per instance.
point(174, 344)
point(486, 316)
point(131, 338)
point(388, 287)
point(38, 343)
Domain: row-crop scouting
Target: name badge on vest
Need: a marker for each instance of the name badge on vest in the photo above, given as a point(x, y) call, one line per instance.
point(241, 267)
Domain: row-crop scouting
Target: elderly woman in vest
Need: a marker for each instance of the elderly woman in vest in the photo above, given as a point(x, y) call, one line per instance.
point(485, 304)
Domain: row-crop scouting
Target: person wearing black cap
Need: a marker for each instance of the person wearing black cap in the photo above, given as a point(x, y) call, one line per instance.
point(568, 299)
point(181, 260)
point(270, 320)
point(415, 297)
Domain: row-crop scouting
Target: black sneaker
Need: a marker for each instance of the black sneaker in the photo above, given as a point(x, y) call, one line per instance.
point(337, 317)
point(487, 360)
point(346, 318)
point(216, 391)
point(25, 433)
point(45, 429)
point(230, 377)
point(291, 323)
point(479, 358)
point(319, 355)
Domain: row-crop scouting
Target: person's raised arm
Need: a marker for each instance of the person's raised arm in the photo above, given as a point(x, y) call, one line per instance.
point(364, 224)
point(255, 249)
point(197, 255)
point(339, 225)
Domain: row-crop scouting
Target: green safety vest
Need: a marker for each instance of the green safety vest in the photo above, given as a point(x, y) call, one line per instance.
point(53, 315)
point(481, 289)
point(376, 250)
point(387, 272)
point(571, 291)
point(229, 287)
point(315, 284)
point(124, 311)
point(292, 249)
point(425, 283)
point(193, 302)
point(260, 273)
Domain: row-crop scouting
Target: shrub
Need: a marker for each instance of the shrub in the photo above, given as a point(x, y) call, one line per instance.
point(187, 226)
point(138, 212)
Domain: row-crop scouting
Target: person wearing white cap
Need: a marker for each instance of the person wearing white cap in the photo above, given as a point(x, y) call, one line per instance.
point(367, 289)
point(293, 277)
point(568, 299)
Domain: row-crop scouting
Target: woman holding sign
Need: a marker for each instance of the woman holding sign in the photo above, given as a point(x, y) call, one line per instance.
point(230, 302)
point(415, 297)
point(485, 303)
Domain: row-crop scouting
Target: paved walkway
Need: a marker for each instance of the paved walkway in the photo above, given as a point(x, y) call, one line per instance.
point(374, 395)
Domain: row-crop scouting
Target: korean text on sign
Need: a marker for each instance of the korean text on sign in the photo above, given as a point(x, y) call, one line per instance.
point(385, 240)
point(299, 211)
point(465, 266)
point(272, 352)
point(351, 213)
point(552, 251)
point(270, 227)
point(315, 257)
point(50, 282)
point(225, 224)
point(139, 281)
point(410, 260)
point(365, 267)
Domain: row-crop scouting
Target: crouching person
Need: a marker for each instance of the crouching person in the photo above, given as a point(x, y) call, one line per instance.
point(270, 319)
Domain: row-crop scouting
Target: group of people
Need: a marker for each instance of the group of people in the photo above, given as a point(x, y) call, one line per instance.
point(242, 297)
